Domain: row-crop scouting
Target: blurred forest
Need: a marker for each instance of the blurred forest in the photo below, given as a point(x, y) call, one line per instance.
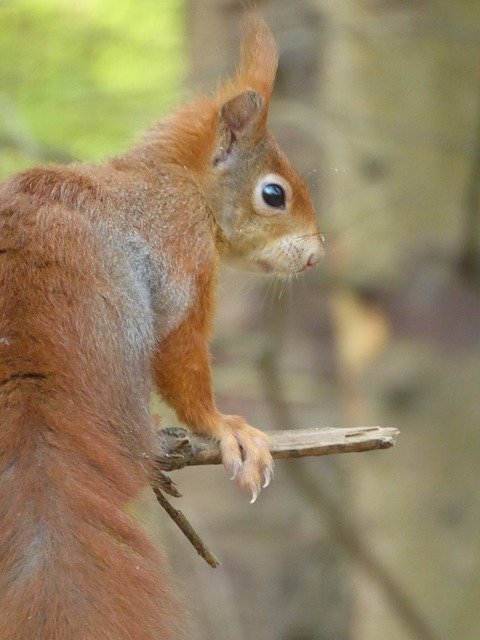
point(378, 104)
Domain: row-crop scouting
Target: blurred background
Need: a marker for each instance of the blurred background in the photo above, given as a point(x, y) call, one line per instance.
point(378, 105)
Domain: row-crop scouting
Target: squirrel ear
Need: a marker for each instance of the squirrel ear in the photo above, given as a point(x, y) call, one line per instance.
point(240, 114)
point(239, 120)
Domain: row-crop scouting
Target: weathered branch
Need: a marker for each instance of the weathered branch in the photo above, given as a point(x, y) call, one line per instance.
point(177, 448)
point(187, 529)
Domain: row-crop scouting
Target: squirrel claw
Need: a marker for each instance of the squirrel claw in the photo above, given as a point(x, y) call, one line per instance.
point(237, 466)
point(255, 492)
point(268, 476)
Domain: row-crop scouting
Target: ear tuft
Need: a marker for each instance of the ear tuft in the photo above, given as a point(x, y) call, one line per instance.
point(241, 112)
point(258, 56)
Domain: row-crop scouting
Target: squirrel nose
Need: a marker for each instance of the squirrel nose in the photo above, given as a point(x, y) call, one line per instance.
point(313, 259)
point(315, 256)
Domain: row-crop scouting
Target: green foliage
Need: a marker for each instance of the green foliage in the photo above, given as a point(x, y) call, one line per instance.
point(81, 78)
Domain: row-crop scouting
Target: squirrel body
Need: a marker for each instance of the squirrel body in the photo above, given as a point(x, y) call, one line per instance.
point(107, 277)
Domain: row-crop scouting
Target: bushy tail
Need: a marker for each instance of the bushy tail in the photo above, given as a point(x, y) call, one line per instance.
point(73, 564)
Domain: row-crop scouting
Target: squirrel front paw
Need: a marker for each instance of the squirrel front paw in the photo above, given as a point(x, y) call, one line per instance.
point(246, 454)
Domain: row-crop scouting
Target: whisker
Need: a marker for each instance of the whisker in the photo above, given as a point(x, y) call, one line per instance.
point(270, 289)
point(309, 235)
point(319, 234)
point(309, 173)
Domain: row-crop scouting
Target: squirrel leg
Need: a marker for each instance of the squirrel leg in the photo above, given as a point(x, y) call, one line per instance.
point(182, 375)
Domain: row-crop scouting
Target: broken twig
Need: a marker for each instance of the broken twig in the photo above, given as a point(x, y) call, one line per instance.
point(177, 448)
point(187, 529)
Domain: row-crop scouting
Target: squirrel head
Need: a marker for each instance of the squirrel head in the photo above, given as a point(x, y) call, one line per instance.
point(261, 205)
point(260, 202)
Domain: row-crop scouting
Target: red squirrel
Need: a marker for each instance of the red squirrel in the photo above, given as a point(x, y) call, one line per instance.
point(107, 278)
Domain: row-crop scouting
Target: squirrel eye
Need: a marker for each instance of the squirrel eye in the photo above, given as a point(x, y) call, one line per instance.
point(274, 195)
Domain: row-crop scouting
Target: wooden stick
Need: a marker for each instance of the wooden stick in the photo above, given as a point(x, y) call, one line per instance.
point(187, 529)
point(177, 448)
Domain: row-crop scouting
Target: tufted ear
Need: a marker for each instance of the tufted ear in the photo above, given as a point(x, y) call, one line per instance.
point(258, 57)
point(239, 121)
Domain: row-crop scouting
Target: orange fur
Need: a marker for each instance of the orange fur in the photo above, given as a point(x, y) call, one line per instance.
point(258, 63)
point(107, 277)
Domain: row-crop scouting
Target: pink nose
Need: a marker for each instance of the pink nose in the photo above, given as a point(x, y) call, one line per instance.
point(313, 259)
point(316, 255)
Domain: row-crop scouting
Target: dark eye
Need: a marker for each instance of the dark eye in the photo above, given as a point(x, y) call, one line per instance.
point(274, 195)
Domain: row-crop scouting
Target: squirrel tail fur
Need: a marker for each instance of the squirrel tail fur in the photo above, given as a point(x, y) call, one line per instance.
point(75, 440)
